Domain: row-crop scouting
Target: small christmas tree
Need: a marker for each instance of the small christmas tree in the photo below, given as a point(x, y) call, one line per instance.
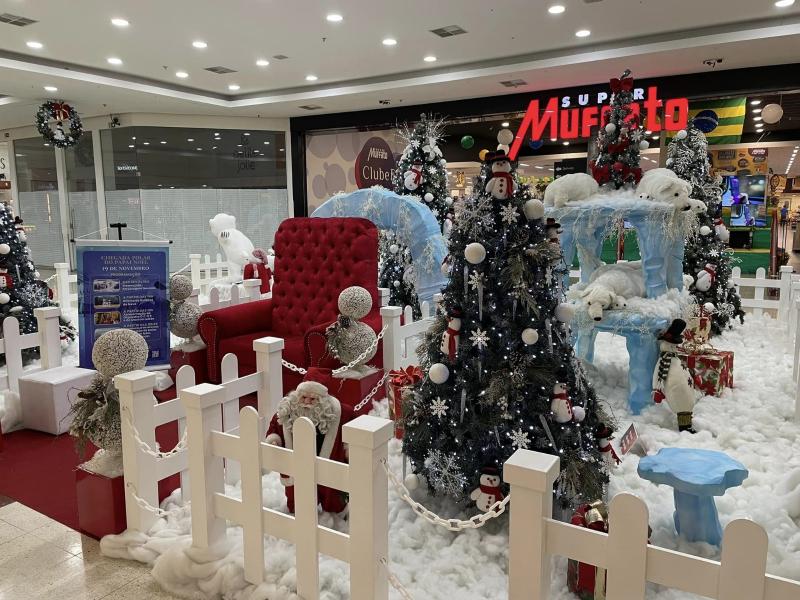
point(619, 139)
point(707, 258)
point(21, 290)
point(421, 172)
point(501, 372)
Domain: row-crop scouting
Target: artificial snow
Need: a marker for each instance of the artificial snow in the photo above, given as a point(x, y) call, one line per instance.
point(753, 423)
point(104, 463)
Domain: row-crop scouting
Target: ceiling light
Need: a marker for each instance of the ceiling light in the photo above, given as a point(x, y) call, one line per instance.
point(133, 137)
point(213, 147)
point(35, 45)
point(566, 143)
point(757, 118)
point(784, 3)
point(181, 74)
point(114, 61)
point(146, 143)
point(389, 42)
point(117, 22)
point(46, 144)
point(520, 164)
point(246, 133)
point(311, 77)
point(648, 132)
point(556, 9)
point(266, 143)
point(583, 33)
point(755, 102)
point(553, 139)
point(505, 124)
point(163, 142)
point(655, 137)
point(189, 139)
point(199, 44)
point(130, 145)
point(233, 87)
point(430, 58)
point(238, 145)
point(216, 134)
point(334, 18)
point(50, 88)
point(756, 111)
point(261, 62)
point(199, 149)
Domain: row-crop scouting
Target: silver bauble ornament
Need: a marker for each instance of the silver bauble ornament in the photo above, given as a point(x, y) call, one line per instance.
point(505, 137)
point(475, 253)
point(438, 373)
point(119, 351)
point(355, 302)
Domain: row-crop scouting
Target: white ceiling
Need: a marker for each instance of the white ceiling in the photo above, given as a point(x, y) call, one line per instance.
point(505, 40)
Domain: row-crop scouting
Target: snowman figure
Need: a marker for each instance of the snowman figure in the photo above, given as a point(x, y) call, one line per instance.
point(671, 381)
point(412, 178)
point(488, 491)
point(603, 434)
point(450, 337)
point(501, 184)
point(705, 278)
point(560, 404)
point(722, 232)
point(58, 134)
point(551, 230)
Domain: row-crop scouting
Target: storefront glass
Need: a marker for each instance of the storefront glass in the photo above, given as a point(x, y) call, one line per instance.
point(81, 190)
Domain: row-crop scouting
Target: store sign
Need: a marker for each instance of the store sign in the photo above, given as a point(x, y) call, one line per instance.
point(740, 161)
point(374, 164)
point(558, 118)
point(125, 167)
point(123, 284)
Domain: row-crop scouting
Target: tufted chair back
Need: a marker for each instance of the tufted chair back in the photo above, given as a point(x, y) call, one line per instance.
point(315, 259)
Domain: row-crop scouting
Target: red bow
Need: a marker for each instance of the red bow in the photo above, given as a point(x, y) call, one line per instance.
point(61, 110)
point(408, 376)
point(625, 84)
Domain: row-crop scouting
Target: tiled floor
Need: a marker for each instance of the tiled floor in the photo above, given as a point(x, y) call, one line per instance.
point(41, 558)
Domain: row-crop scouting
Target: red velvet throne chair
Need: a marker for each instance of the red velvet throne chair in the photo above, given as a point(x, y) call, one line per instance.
point(315, 258)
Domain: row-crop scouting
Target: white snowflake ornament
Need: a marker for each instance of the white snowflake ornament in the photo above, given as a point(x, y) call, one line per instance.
point(439, 407)
point(479, 339)
point(509, 214)
point(520, 439)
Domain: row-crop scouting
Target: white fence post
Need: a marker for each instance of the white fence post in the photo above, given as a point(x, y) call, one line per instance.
point(268, 361)
point(626, 553)
point(136, 403)
point(391, 340)
point(252, 289)
point(194, 260)
point(203, 415)
point(62, 286)
point(47, 322)
point(531, 476)
point(12, 345)
point(305, 508)
point(383, 295)
point(743, 563)
point(786, 287)
point(368, 439)
point(252, 495)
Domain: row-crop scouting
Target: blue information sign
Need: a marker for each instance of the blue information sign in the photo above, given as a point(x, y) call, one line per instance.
point(123, 284)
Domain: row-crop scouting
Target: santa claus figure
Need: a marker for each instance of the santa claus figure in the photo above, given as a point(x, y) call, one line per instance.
point(311, 399)
point(501, 184)
point(488, 491)
point(603, 434)
point(258, 268)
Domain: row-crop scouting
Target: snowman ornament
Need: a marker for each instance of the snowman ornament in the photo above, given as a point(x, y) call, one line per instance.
point(488, 491)
point(560, 404)
point(501, 184)
point(603, 434)
point(450, 338)
point(705, 278)
point(412, 178)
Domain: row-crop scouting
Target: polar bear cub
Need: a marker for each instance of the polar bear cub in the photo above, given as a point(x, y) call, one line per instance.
point(663, 185)
point(574, 187)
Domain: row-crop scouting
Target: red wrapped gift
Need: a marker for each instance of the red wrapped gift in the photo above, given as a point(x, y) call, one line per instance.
point(711, 371)
point(354, 388)
point(400, 381)
point(587, 581)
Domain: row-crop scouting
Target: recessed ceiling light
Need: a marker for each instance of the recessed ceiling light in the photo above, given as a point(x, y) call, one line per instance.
point(755, 102)
point(181, 74)
point(334, 18)
point(133, 137)
point(784, 3)
point(282, 149)
point(238, 145)
point(556, 9)
point(246, 133)
point(311, 77)
point(757, 118)
point(118, 22)
point(146, 143)
point(266, 143)
point(199, 44)
point(46, 144)
point(756, 111)
point(389, 42)
point(553, 139)
point(430, 58)
point(189, 139)
point(113, 60)
point(163, 142)
point(583, 33)
point(566, 143)
point(216, 133)
point(50, 88)
point(130, 146)
point(261, 62)
point(199, 149)
point(35, 45)
point(233, 87)
point(213, 147)
point(505, 124)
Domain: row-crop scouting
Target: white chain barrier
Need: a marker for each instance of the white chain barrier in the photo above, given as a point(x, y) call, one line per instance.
point(495, 510)
point(146, 448)
point(352, 364)
point(159, 512)
point(372, 393)
point(395, 582)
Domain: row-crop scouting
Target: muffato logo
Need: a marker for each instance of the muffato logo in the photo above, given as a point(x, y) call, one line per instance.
point(374, 164)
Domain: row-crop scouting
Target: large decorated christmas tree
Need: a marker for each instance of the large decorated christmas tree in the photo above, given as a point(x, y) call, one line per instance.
point(421, 172)
point(21, 290)
point(619, 139)
point(500, 369)
point(707, 257)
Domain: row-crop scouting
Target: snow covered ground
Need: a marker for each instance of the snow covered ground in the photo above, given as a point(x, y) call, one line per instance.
point(753, 423)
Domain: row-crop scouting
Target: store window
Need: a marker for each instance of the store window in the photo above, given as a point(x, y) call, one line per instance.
point(168, 182)
point(37, 184)
point(81, 189)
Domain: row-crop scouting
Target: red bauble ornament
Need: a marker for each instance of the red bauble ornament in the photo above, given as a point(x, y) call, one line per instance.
point(618, 166)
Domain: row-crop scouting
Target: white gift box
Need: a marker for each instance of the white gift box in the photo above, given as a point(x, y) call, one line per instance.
point(45, 397)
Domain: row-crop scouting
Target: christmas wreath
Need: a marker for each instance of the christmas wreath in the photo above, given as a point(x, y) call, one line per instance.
point(61, 112)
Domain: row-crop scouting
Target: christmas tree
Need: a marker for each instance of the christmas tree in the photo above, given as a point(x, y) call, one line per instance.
point(21, 290)
point(501, 372)
point(397, 273)
point(707, 258)
point(619, 139)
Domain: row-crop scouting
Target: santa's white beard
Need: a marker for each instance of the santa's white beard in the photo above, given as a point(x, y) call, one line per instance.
point(321, 412)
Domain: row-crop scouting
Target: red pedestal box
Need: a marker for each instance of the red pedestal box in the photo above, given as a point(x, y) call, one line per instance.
point(101, 503)
point(352, 391)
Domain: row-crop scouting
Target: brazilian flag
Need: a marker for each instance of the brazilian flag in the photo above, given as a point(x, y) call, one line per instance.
point(721, 120)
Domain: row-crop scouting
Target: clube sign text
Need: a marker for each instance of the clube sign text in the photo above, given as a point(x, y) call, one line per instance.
point(570, 118)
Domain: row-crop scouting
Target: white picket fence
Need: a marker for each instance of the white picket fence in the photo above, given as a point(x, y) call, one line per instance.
point(403, 334)
point(205, 272)
point(47, 338)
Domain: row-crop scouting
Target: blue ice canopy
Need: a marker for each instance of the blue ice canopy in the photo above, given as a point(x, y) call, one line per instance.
point(410, 219)
point(693, 470)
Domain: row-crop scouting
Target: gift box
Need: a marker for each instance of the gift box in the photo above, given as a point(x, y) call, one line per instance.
point(101, 503)
point(399, 387)
point(584, 580)
point(354, 387)
point(711, 371)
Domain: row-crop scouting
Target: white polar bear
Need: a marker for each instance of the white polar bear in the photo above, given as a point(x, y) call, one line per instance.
point(609, 285)
point(574, 187)
point(237, 246)
point(663, 185)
